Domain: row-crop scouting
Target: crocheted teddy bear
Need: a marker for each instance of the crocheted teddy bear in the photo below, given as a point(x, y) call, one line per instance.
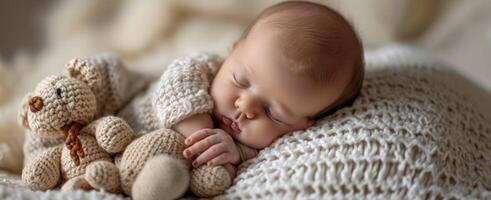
point(112, 83)
point(152, 166)
point(65, 107)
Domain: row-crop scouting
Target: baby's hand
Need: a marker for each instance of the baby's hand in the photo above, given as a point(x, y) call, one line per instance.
point(214, 146)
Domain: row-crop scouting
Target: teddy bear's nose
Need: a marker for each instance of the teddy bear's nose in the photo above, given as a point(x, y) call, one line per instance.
point(35, 103)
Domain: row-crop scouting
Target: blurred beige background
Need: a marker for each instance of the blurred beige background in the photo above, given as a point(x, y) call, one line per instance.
point(39, 37)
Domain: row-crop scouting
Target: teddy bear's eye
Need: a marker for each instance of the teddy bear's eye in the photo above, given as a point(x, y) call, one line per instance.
point(58, 92)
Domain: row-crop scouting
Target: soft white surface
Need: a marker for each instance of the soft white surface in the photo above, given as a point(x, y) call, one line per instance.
point(413, 133)
point(149, 40)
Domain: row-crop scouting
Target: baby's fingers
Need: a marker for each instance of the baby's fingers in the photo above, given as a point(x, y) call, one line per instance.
point(198, 135)
point(220, 160)
point(200, 146)
point(209, 154)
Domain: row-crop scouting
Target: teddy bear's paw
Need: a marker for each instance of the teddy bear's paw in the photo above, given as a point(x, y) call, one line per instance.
point(103, 175)
point(43, 171)
point(209, 181)
point(162, 177)
point(76, 183)
point(142, 149)
point(113, 134)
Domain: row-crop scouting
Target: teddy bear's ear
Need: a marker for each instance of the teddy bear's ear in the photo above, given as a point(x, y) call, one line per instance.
point(24, 108)
point(83, 70)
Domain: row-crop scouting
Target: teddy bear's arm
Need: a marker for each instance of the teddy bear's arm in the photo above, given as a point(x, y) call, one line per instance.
point(183, 88)
point(112, 133)
point(43, 171)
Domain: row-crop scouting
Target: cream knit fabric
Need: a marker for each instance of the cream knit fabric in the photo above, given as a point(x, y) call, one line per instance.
point(113, 85)
point(181, 92)
point(378, 149)
point(410, 135)
point(162, 141)
point(64, 107)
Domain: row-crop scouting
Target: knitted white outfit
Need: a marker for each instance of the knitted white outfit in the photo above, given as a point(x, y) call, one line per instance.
point(410, 135)
point(181, 92)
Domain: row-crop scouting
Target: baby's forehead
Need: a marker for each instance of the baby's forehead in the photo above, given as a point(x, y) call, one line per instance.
point(307, 27)
point(300, 15)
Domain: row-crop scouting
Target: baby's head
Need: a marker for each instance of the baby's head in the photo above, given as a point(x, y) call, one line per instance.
point(296, 63)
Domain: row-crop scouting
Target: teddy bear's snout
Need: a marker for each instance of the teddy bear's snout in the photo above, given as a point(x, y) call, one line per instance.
point(36, 103)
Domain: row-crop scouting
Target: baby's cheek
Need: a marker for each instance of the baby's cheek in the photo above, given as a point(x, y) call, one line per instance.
point(261, 135)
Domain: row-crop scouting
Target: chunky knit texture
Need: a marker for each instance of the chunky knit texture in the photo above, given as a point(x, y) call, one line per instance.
point(387, 136)
point(181, 92)
point(113, 84)
point(411, 134)
point(110, 81)
point(34, 145)
point(209, 181)
point(162, 141)
point(103, 174)
point(183, 88)
point(63, 107)
point(92, 152)
point(46, 173)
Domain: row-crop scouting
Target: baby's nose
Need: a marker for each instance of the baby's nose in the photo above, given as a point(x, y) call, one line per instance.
point(247, 108)
point(36, 103)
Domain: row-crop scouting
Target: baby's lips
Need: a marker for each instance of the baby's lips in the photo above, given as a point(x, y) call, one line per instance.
point(227, 121)
point(235, 127)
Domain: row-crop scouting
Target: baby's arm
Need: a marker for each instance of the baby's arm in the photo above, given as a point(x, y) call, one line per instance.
point(182, 93)
point(194, 123)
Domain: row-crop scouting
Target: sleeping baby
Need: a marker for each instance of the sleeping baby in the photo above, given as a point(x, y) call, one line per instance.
point(296, 63)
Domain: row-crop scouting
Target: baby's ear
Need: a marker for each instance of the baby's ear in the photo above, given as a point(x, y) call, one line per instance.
point(82, 70)
point(22, 115)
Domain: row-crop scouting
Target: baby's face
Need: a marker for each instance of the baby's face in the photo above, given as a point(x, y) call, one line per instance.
point(257, 99)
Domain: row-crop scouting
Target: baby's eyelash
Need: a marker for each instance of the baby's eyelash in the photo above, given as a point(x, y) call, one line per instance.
point(268, 113)
point(237, 82)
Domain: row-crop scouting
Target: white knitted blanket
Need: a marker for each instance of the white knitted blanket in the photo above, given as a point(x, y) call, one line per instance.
point(410, 135)
point(415, 132)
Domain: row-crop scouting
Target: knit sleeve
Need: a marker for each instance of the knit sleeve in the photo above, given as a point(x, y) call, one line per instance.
point(183, 88)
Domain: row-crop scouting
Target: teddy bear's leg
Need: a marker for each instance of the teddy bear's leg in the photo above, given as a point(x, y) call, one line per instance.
point(103, 175)
point(209, 181)
point(159, 142)
point(76, 183)
point(162, 177)
point(43, 171)
point(112, 133)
